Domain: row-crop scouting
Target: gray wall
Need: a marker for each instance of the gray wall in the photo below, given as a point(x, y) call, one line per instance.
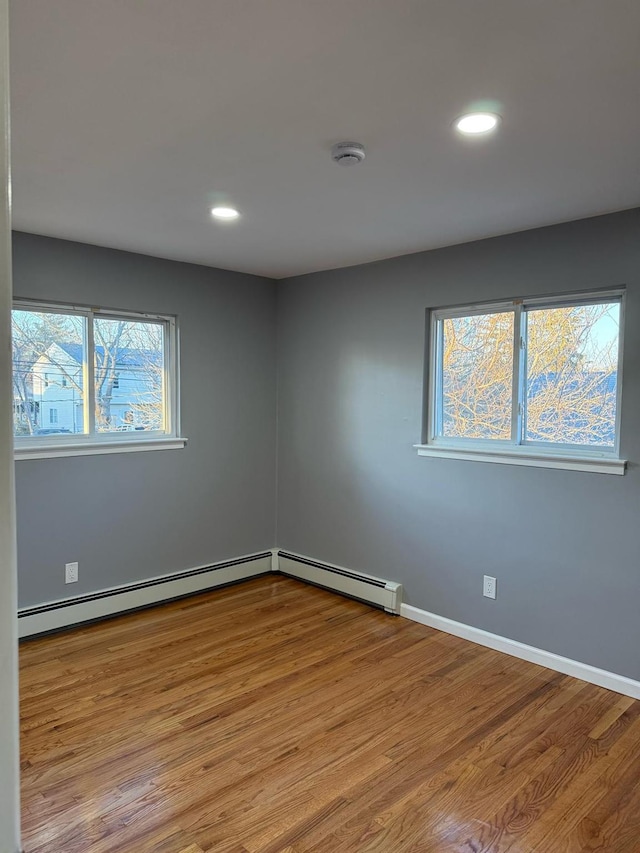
point(351, 488)
point(565, 546)
point(130, 516)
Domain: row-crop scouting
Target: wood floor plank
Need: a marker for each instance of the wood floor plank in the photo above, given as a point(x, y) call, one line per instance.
point(274, 717)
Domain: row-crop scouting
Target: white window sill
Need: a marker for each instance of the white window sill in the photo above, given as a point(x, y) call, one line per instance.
point(85, 448)
point(595, 464)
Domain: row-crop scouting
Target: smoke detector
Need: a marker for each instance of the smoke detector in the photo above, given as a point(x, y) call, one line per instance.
point(348, 153)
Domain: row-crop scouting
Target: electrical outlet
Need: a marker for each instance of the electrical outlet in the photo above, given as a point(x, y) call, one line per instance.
point(489, 587)
point(71, 572)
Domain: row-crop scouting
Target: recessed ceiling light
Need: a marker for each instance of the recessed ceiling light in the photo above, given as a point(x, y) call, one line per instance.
point(475, 123)
point(227, 213)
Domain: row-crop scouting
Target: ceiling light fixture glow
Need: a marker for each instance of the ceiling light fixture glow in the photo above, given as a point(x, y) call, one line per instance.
point(477, 123)
point(225, 213)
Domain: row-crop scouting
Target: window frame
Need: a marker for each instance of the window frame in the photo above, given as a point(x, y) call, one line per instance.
point(90, 441)
point(518, 449)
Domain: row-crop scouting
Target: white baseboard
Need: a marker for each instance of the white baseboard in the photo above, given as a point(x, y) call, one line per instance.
point(584, 671)
point(367, 588)
point(65, 613)
point(108, 602)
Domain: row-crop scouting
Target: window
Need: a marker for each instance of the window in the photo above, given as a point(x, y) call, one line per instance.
point(107, 379)
point(531, 382)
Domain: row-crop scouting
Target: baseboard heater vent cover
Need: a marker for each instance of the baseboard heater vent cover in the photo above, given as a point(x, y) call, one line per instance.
point(376, 591)
point(68, 612)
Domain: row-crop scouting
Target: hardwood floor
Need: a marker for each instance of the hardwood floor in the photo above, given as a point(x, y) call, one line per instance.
point(274, 717)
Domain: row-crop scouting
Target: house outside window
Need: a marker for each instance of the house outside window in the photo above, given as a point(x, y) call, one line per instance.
point(107, 379)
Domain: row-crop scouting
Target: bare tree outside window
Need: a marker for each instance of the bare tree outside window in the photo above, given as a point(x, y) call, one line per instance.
point(572, 366)
point(45, 349)
point(477, 376)
point(567, 393)
point(51, 359)
point(129, 368)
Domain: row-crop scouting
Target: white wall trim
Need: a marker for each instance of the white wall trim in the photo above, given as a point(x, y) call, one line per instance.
point(584, 671)
point(9, 716)
point(111, 601)
point(368, 588)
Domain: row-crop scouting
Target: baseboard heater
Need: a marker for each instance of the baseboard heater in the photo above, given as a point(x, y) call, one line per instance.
point(66, 613)
point(371, 590)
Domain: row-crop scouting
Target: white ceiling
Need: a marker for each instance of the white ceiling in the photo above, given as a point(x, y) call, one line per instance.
point(131, 118)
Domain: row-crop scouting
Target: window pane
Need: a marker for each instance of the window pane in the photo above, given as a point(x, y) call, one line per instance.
point(129, 375)
point(572, 374)
point(477, 375)
point(48, 356)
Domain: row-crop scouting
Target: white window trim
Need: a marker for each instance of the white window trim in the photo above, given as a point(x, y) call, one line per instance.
point(95, 448)
point(91, 443)
point(595, 464)
point(517, 451)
